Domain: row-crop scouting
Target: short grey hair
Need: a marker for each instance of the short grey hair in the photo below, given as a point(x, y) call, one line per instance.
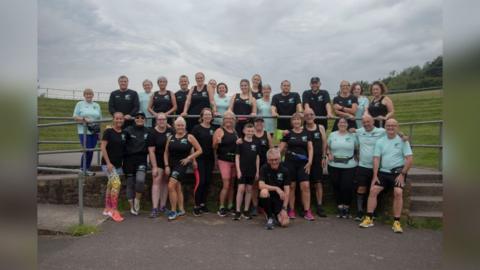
point(273, 152)
point(162, 78)
point(147, 81)
point(267, 85)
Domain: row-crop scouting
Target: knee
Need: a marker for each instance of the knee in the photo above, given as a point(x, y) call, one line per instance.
point(226, 185)
point(305, 187)
point(249, 188)
point(361, 190)
point(264, 193)
point(398, 193)
point(172, 185)
point(374, 192)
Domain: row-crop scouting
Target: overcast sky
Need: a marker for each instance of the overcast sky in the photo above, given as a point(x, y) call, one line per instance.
point(90, 43)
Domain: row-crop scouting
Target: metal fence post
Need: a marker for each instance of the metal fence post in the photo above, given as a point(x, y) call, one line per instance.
point(81, 176)
point(411, 134)
point(440, 154)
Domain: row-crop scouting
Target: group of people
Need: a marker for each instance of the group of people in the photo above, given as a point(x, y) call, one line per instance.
point(267, 145)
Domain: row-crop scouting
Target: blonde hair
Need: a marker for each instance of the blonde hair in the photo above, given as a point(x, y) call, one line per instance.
point(87, 90)
point(231, 114)
point(180, 120)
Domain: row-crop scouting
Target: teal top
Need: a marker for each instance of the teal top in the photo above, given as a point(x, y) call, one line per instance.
point(144, 98)
point(366, 143)
point(342, 146)
point(362, 107)
point(222, 106)
point(89, 110)
point(392, 152)
point(264, 108)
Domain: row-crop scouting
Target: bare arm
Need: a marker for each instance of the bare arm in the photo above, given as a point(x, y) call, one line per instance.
point(282, 147)
point(390, 108)
point(150, 106)
point(217, 138)
point(352, 110)
point(299, 107)
point(270, 141)
point(408, 164)
point(103, 149)
point(254, 106)
point(286, 189)
point(187, 102)
point(237, 165)
point(274, 111)
point(230, 105)
point(165, 154)
point(329, 109)
point(152, 156)
point(211, 97)
point(196, 146)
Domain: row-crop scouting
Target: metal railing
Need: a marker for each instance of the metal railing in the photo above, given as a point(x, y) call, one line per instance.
point(75, 94)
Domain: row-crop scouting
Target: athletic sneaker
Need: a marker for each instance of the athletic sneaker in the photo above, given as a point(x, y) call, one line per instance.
point(269, 225)
point(107, 212)
point(197, 212)
point(292, 214)
point(115, 215)
point(339, 212)
point(172, 215)
point(237, 216)
point(254, 211)
point(222, 212)
point(366, 223)
point(204, 208)
point(162, 209)
point(181, 213)
point(320, 212)
point(154, 213)
point(133, 212)
point(308, 215)
point(359, 216)
point(88, 173)
point(246, 215)
point(397, 227)
point(346, 213)
point(232, 211)
point(136, 205)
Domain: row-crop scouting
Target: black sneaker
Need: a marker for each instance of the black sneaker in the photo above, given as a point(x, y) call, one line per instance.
point(254, 211)
point(359, 216)
point(320, 211)
point(154, 213)
point(246, 215)
point(232, 211)
point(237, 216)
point(269, 225)
point(204, 208)
point(339, 212)
point(222, 212)
point(345, 213)
point(197, 212)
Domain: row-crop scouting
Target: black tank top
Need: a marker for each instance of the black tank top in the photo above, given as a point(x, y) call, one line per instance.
point(257, 95)
point(162, 103)
point(297, 144)
point(227, 146)
point(199, 100)
point(242, 106)
point(179, 148)
point(316, 137)
point(377, 108)
point(262, 145)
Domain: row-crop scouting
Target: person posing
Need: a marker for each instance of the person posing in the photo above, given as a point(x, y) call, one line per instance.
point(135, 161)
point(225, 144)
point(357, 91)
point(341, 166)
point(199, 97)
point(264, 108)
point(203, 132)
point(181, 149)
point(257, 86)
point(274, 184)
point(124, 100)
point(319, 140)
point(163, 100)
point(222, 102)
point(285, 104)
point(144, 99)
point(112, 147)
point(345, 105)
point(247, 173)
point(381, 107)
point(318, 100)
point(298, 148)
point(243, 104)
point(392, 158)
point(181, 95)
point(87, 111)
point(156, 150)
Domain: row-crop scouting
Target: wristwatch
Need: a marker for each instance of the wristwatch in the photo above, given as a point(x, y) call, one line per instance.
point(284, 208)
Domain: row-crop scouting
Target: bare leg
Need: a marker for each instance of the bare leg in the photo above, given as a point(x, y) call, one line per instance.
point(240, 192)
point(156, 190)
point(255, 194)
point(172, 194)
point(372, 198)
point(319, 193)
point(291, 201)
point(305, 188)
point(225, 191)
point(163, 189)
point(248, 197)
point(397, 201)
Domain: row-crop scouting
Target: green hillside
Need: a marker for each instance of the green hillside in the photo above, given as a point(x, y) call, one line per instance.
point(409, 107)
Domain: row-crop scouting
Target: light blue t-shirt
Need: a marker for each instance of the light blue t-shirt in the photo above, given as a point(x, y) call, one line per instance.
point(222, 106)
point(362, 106)
point(366, 143)
point(392, 152)
point(90, 110)
point(264, 108)
point(342, 146)
point(144, 98)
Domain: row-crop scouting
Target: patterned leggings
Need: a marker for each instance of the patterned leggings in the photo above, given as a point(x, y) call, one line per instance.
point(113, 189)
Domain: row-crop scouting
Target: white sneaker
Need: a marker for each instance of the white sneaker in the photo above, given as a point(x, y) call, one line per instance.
point(136, 205)
point(133, 212)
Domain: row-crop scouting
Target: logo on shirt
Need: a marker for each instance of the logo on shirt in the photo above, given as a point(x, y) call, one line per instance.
point(291, 100)
point(127, 97)
point(280, 176)
point(168, 134)
point(123, 137)
point(304, 138)
point(397, 145)
point(175, 174)
point(204, 94)
point(211, 131)
point(320, 98)
point(253, 147)
point(264, 142)
point(145, 136)
point(349, 102)
point(167, 97)
point(117, 96)
point(316, 135)
point(184, 141)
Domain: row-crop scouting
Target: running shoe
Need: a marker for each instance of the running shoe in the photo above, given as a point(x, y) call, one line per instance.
point(222, 212)
point(254, 211)
point(308, 215)
point(231, 210)
point(246, 215)
point(154, 213)
point(366, 223)
point(136, 205)
point(107, 212)
point(237, 216)
point(346, 213)
point(397, 227)
point(269, 225)
point(87, 173)
point(133, 212)
point(359, 216)
point(116, 216)
point(292, 214)
point(320, 212)
point(181, 213)
point(197, 211)
point(204, 208)
point(162, 209)
point(172, 215)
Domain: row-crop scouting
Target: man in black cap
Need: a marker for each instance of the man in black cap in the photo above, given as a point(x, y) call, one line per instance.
point(124, 100)
point(318, 100)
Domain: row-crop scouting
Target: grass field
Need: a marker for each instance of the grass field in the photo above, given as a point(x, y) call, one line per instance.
point(422, 106)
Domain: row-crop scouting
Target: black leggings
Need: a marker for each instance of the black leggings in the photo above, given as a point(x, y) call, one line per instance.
point(272, 205)
point(343, 184)
point(205, 169)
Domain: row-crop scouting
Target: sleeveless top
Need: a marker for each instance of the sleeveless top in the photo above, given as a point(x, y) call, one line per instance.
point(162, 103)
point(242, 106)
point(178, 148)
point(262, 145)
point(316, 137)
point(199, 100)
point(376, 108)
point(227, 146)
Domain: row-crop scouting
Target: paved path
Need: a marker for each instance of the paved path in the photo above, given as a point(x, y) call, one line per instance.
point(211, 242)
point(58, 218)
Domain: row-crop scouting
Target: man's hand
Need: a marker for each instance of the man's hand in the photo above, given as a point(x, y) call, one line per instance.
point(400, 181)
point(281, 194)
point(128, 117)
point(155, 171)
point(375, 180)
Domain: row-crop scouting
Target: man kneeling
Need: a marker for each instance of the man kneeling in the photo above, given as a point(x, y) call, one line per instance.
point(274, 185)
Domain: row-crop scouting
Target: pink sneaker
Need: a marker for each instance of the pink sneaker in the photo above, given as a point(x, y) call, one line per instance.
point(308, 215)
point(291, 214)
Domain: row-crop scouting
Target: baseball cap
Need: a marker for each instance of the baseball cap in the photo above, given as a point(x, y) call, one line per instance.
point(315, 80)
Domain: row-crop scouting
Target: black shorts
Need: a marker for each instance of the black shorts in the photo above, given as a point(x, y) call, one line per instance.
point(160, 162)
point(363, 176)
point(387, 180)
point(134, 163)
point(177, 170)
point(247, 180)
point(275, 201)
point(316, 171)
point(296, 169)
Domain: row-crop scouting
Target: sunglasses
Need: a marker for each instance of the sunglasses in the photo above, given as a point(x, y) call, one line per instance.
point(139, 117)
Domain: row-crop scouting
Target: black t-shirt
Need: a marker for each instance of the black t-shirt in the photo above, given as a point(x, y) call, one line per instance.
point(178, 148)
point(241, 106)
point(162, 103)
point(263, 146)
point(316, 137)
point(248, 152)
point(199, 100)
point(345, 101)
point(136, 140)
point(286, 105)
point(126, 102)
point(204, 136)
point(278, 178)
point(181, 97)
point(226, 147)
point(115, 146)
point(159, 140)
point(297, 143)
point(317, 101)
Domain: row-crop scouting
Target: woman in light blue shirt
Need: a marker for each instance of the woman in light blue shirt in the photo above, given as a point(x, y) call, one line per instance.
point(222, 102)
point(87, 111)
point(144, 98)
point(264, 108)
point(363, 102)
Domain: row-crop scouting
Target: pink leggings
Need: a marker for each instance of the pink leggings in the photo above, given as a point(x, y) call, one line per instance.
point(227, 169)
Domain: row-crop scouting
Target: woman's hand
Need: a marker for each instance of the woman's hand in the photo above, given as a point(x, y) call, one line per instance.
point(307, 167)
point(110, 167)
point(167, 171)
point(185, 161)
point(324, 163)
point(155, 171)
